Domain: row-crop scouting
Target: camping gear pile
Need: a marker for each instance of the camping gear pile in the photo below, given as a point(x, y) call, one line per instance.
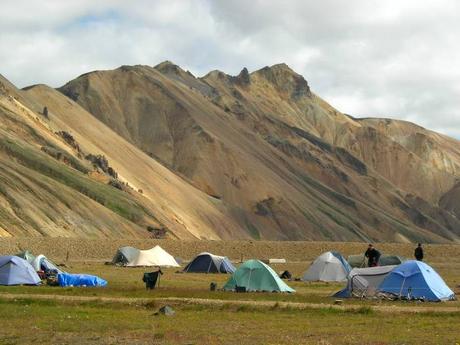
point(28, 269)
point(84, 280)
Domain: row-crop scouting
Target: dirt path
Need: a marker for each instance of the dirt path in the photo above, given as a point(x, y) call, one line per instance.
point(220, 303)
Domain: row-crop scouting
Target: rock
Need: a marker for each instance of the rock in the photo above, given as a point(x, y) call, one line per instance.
point(243, 78)
point(166, 310)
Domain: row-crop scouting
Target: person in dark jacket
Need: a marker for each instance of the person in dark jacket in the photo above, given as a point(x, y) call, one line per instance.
point(150, 279)
point(372, 255)
point(418, 253)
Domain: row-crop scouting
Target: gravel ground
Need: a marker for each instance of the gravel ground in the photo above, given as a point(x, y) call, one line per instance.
point(102, 250)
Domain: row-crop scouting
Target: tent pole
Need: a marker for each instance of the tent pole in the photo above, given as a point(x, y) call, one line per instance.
point(159, 276)
point(249, 278)
point(402, 287)
point(210, 262)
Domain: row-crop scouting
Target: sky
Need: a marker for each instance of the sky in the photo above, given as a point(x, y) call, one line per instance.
point(396, 59)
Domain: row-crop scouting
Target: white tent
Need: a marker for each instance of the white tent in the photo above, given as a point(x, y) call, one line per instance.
point(329, 267)
point(156, 256)
point(42, 263)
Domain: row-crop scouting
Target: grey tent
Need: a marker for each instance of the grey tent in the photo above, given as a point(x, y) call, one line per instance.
point(363, 282)
point(26, 255)
point(210, 263)
point(385, 260)
point(125, 255)
point(329, 266)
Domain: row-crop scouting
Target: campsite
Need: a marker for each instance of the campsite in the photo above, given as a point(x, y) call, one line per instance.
point(124, 309)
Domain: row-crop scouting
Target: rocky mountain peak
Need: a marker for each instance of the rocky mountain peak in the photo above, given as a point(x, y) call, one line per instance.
point(168, 67)
point(243, 78)
point(285, 79)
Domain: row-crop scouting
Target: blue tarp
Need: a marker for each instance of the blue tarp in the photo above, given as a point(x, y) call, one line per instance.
point(67, 279)
point(415, 279)
point(17, 271)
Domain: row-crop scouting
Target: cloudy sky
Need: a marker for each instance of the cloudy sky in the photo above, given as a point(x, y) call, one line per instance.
point(388, 58)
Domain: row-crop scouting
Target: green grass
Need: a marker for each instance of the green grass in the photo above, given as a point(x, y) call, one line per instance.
point(26, 321)
point(123, 312)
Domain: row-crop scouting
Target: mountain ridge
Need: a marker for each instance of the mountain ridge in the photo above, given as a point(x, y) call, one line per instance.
point(261, 155)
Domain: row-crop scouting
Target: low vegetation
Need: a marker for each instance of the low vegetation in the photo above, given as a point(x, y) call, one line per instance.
point(124, 312)
point(112, 198)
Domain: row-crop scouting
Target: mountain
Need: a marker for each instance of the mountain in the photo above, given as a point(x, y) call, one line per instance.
point(252, 156)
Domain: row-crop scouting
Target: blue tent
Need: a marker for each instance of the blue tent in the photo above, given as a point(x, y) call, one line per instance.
point(17, 271)
point(67, 279)
point(210, 263)
point(415, 279)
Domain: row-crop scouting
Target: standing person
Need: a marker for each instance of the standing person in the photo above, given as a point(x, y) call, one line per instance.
point(418, 253)
point(372, 255)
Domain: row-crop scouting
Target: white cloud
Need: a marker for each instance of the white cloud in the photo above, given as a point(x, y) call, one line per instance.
point(366, 57)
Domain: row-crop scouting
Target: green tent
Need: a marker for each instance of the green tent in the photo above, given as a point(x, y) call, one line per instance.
point(389, 260)
point(26, 255)
point(385, 260)
point(254, 275)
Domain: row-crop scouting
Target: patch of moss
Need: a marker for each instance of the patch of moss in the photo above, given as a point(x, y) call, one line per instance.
point(115, 200)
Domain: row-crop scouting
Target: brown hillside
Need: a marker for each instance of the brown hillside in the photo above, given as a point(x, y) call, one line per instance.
point(282, 162)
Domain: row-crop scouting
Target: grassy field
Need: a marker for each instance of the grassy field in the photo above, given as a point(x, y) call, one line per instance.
point(123, 312)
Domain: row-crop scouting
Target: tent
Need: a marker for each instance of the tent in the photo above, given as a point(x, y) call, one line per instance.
point(385, 260)
point(329, 267)
point(210, 263)
point(17, 271)
point(156, 256)
point(363, 282)
point(26, 255)
point(254, 275)
point(67, 279)
point(41, 263)
point(416, 279)
point(124, 255)
point(389, 260)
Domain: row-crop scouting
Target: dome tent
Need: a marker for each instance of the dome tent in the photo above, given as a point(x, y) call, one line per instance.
point(210, 263)
point(17, 271)
point(391, 260)
point(124, 255)
point(254, 275)
point(39, 262)
point(385, 260)
point(329, 267)
point(416, 279)
point(42, 263)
